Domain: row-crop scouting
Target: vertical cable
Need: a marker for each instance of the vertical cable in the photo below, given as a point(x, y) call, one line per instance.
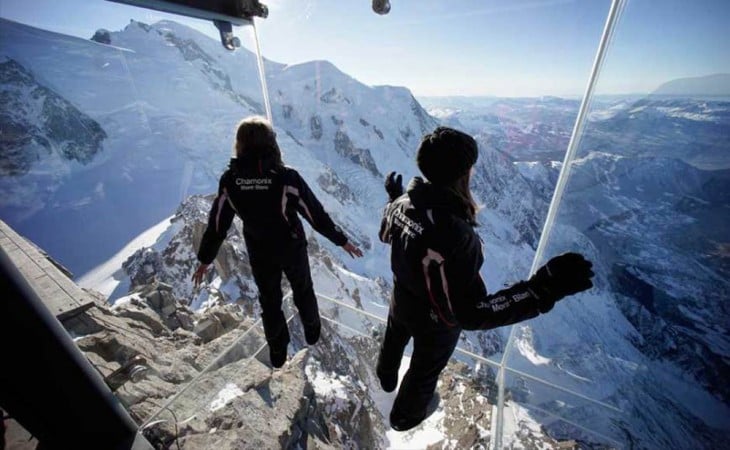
point(613, 14)
point(262, 74)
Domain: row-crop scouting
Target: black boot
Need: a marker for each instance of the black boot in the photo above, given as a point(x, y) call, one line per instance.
point(401, 422)
point(312, 332)
point(388, 380)
point(277, 356)
point(278, 348)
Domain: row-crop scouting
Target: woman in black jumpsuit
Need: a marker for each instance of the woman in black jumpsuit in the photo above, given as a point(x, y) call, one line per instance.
point(269, 197)
point(437, 289)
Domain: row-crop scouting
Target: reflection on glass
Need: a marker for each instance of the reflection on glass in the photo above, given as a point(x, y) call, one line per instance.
point(97, 124)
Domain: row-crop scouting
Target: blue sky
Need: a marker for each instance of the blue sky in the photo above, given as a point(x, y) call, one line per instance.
point(469, 47)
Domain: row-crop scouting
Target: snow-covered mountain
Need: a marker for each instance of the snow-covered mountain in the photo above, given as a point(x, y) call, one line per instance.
point(525, 128)
point(675, 296)
point(694, 131)
point(168, 99)
point(652, 224)
point(42, 135)
point(717, 85)
point(159, 106)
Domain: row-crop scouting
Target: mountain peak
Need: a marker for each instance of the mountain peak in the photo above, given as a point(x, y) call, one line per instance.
point(709, 85)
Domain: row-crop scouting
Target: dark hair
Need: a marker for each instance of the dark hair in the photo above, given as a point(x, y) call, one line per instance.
point(256, 139)
point(460, 188)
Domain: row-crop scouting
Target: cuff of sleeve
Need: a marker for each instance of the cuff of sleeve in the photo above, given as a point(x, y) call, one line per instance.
point(204, 260)
point(340, 240)
point(545, 299)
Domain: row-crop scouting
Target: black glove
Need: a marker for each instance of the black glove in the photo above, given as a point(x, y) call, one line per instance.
point(563, 275)
point(394, 185)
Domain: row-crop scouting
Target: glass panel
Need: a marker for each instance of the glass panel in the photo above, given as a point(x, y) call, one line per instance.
point(111, 122)
point(645, 200)
point(110, 117)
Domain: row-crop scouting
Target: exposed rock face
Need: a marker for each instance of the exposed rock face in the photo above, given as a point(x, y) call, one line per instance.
point(102, 36)
point(378, 132)
point(178, 260)
point(218, 321)
point(462, 396)
point(143, 266)
point(239, 402)
point(315, 126)
point(35, 122)
point(360, 156)
point(333, 185)
point(334, 96)
point(264, 409)
point(111, 337)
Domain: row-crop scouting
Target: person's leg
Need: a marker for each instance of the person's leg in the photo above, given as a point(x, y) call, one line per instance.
point(431, 352)
point(391, 352)
point(267, 276)
point(300, 278)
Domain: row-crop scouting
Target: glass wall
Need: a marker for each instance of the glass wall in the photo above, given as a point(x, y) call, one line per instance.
point(645, 196)
point(111, 118)
point(125, 124)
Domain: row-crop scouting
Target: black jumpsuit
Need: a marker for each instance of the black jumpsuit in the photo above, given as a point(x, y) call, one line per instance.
point(437, 291)
point(268, 200)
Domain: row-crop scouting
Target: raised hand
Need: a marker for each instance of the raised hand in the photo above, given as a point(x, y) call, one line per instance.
point(394, 185)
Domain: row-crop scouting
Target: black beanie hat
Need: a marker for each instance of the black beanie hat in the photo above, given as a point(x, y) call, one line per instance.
point(446, 154)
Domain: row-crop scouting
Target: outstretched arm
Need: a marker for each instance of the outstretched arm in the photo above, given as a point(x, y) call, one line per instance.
point(474, 308)
point(219, 221)
point(313, 212)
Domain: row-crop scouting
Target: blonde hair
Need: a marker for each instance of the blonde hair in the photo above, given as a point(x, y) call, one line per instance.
point(256, 138)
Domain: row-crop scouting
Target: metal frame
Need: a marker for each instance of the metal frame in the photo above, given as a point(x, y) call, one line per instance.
point(224, 11)
point(48, 385)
